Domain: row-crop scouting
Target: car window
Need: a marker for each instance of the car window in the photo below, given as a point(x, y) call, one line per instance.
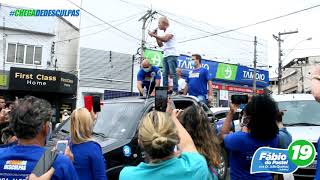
point(116, 120)
point(221, 115)
point(300, 112)
point(119, 120)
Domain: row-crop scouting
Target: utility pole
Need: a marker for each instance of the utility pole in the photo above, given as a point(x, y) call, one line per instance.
point(302, 79)
point(52, 55)
point(4, 45)
point(278, 38)
point(144, 20)
point(255, 66)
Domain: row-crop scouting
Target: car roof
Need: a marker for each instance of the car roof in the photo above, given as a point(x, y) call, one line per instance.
point(293, 97)
point(139, 99)
point(221, 109)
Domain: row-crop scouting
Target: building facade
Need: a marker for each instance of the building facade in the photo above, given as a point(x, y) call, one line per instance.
point(273, 85)
point(296, 76)
point(106, 74)
point(37, 58)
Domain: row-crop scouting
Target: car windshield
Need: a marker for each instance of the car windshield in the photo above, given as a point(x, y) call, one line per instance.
point(116, 120)
point(305, 112)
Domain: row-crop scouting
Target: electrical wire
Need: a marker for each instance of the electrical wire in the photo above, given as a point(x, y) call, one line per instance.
point(192, 27)
point(90, 34)
point(254, 24)
point(123, 32)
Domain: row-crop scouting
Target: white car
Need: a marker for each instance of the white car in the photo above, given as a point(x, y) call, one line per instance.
point(220, 114)
point(302, 120)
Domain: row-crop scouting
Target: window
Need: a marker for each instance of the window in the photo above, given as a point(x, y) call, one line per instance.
point(20, 53)
point(29, 54)
point(11, 55)
point(24, 54)
point(38, 55)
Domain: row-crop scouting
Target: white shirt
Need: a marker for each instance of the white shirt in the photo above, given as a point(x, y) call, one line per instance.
point(182, 84)
point(169, 48)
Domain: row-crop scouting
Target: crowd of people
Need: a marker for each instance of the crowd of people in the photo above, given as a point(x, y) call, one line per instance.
point(178, 144)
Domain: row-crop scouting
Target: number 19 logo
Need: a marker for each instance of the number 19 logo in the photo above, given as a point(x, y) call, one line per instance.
point(301, 153)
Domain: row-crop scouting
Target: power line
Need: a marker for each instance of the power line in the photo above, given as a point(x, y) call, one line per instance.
point(86, 35)
point(125, 33)
point(260, 22)
point(115, 20)
point(302, 49)
point(136, 5)
point(192, 27)
point(199, 21)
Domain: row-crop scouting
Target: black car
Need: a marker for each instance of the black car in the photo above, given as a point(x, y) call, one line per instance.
point(116, 131)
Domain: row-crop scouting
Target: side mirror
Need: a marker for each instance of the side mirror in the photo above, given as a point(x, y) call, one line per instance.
point(57, 125)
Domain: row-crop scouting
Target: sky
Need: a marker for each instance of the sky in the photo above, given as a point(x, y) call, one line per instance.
point(191, 19)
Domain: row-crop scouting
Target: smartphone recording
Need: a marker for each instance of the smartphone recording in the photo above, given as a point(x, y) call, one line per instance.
point(239, 99)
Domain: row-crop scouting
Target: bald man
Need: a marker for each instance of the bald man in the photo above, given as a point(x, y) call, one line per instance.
point(148, 77)
point(168, 43)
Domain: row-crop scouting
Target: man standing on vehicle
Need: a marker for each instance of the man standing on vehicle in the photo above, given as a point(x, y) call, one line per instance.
point(168, 42)
point(148, 77)
point(315, 86)
point(198, 81)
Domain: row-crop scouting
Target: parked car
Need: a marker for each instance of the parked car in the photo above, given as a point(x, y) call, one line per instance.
point(301, 118)
point(220, 114)
point(116, 131)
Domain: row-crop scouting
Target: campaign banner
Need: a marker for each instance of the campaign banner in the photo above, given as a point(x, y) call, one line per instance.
point(301, 153)
point(273, 160)
point(226, 72)
point(184, 63)
point(245, 76)
point(155, 57)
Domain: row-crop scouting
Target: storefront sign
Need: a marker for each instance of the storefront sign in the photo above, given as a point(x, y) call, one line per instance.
point(68, 83)
point(42, 80)
point(155, 57)
point(226, 72)
point(184, 63)
point(236, 88)
point(217, 71)
point(245, 76)
point(4, 82)
point(224, 95)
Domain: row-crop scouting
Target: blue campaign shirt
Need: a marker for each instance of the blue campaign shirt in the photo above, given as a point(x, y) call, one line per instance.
point(145, 77)
point(318, 162)
point(89, 161)
point(198, 82)
point(189, 166)
point(18, 161)
point(241, 147)
point(285, 138)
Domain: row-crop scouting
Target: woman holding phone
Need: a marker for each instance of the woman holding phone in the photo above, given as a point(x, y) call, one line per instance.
point(260, 116)
point(159, 134)
point(88, 158)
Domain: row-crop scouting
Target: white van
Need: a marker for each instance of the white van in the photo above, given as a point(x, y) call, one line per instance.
point(302, 120)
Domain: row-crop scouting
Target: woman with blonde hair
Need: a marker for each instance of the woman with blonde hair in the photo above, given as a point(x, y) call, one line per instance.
point(159, 135)
point(88, 158)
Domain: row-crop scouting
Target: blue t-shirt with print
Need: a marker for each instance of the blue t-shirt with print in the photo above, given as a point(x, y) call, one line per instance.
point(198, 82)
point(146, 77)
point(318, 162)
point(89, 161)
point(18, 161)
point(241, 147)
point(189, 166)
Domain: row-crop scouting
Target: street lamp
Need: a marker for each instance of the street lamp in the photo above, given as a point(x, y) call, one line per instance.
point(294, 47)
